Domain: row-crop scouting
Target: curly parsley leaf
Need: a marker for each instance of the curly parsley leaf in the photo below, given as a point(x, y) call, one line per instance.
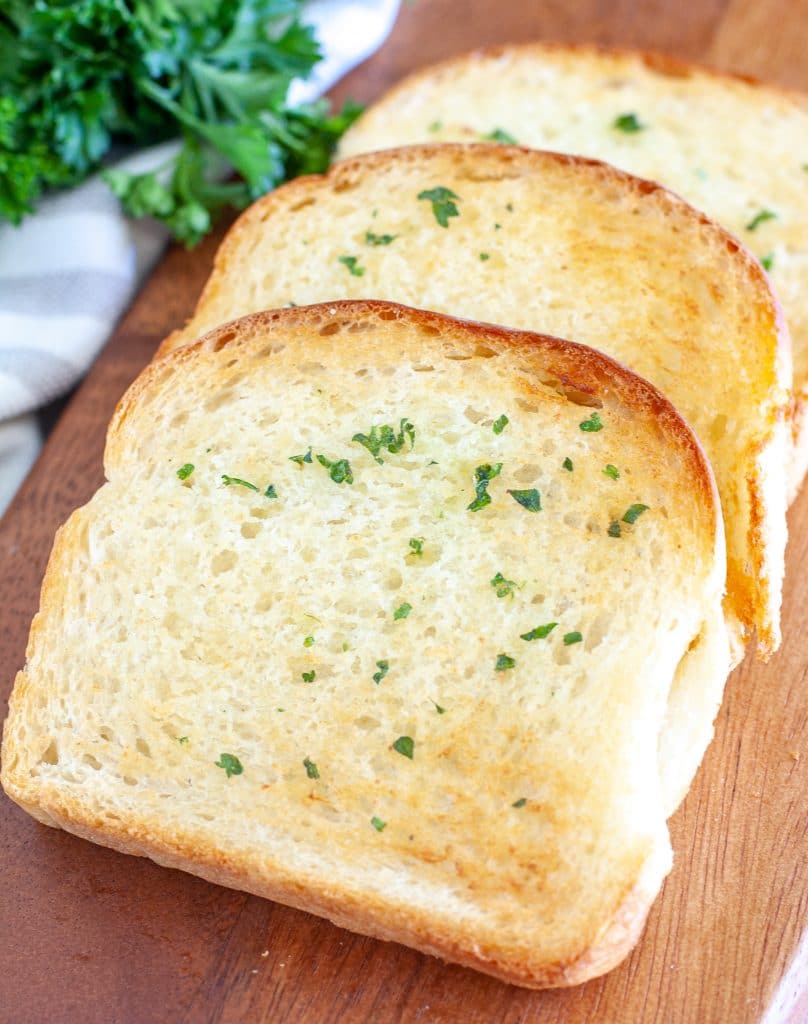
point(628, 123)
point(82, 78)
point(483, 475)
point(339, 470)
point(540, 632)
point(352, 263)
point(405, 745)
point(443, 205)
point(529, 499)
point(503, 587)
point(385, 438)
point(230, 764)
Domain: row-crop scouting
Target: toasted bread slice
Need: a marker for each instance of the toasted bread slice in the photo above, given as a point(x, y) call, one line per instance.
point(563, 245)
point(419, 685)
point(732, 147)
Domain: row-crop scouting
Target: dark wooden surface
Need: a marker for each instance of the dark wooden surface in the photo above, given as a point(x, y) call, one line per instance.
point(89, 935)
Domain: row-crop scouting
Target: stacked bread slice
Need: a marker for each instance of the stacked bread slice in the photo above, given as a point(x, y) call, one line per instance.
point(735, 148)
point(429, 617)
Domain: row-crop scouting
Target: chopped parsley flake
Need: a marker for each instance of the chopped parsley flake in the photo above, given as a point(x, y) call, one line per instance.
point(509, 207)
point(628, 123)
point(402, 611)
point(417, 545)
point(497, 227)
point(384, 668)
point(185, 471)
point(503, 587)
point(182, 740)
point(309, 641)
point(529, 499)
point(309, 677)
point(633, 512)
point(567, 464)
point(520, 802)
point(767, 261)
point(592, 425)
point(435, 126)
point(405, 746)
point(378, 824)
point(612, 471)
point(500, 424)
point(483, 475)
point(443, 206)
point(238, 482)
point(504, 662)
point(385, 437)
point(230, 763)
point(438, 708)
point(270, 492)
point(485, 256)
point(572, 638)
point(352, 263)
point(300, 459)
point(760, 218)
point(540, 632)
point(373, 239)
point(312, 770)
point(614, 529)
point(339, 471)
point(500, 135)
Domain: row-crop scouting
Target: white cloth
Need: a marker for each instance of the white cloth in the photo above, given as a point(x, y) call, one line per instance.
point(68, 272)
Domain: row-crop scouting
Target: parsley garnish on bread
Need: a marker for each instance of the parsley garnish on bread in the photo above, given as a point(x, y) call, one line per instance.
point(373, 796)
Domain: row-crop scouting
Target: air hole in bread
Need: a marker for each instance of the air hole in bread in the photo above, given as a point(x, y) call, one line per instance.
point(526, 406)
point(393, 580)
point(428, 329)
point(297, 206)
point(217, 401)
point(328, 329)
point(250, 530)
point(390, 314)
point(360, 373)
point(367, 723)
point(264, 603)
point(223, 339)
point(51, 754)
point(457, 357)
point(105, 733)
point(92, 762)
point(575, 395)
point(473, 414)
point(483, 352)
point(143, 747)
point(596, 631)
point(423, 368)
point(224, 561)
point(526, 474)
point(178, 420)
point(260, 512)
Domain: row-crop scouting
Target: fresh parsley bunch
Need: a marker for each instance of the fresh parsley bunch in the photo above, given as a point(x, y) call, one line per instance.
point(80, 76)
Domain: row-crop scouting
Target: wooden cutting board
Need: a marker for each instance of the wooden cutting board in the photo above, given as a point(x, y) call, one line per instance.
point(89, 935)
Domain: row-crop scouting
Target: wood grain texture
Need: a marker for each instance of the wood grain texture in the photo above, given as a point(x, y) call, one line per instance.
point(92, 936)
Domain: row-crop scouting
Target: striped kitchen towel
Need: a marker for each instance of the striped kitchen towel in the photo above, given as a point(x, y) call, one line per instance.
point(67, 273)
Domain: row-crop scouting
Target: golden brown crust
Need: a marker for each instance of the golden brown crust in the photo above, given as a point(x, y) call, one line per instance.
point(662, 63)
point(358, 913)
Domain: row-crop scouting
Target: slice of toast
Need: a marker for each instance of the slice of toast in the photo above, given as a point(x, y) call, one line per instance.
point(563, 245)
point(735, 148)
point(390, 617)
